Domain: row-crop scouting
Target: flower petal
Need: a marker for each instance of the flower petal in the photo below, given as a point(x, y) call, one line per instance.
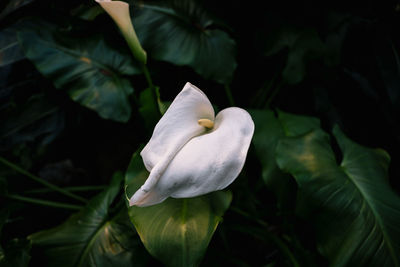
point(207, 163)
point(177, 126)
point(119, 12)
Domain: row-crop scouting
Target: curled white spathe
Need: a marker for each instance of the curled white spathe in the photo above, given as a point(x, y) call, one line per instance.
point(186, 159)
point(119, 12)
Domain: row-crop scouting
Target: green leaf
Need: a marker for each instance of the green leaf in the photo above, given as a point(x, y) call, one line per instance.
point(294, 125)
point(87, 68)
point(92, 237)
point(269, 130)
point(181, 33)
point(35, 119)
point(10, 50)
point(176, 231)
point(267, 133)
point(354, 210)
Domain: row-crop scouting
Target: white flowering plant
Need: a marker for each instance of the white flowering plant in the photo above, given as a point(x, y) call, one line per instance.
point(198, 133)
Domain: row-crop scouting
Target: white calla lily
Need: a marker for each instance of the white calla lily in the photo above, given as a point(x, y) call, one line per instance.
point(119, 12)
point(192, 152)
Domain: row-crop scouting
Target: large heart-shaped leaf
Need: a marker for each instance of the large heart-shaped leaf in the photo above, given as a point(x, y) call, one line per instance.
point(356, 213)
point(91, 71)
point(176, 231)
point(182, 33)
point(93, 238)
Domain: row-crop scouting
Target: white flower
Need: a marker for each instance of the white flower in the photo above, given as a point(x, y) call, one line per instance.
point(191, 152)
point(119, 12)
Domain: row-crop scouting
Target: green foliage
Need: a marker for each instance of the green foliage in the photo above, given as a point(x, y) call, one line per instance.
point(91, 72)
point(305, 197)
point(179, 227)
point(33, 120)
point(10, 52)
point(355, 211)
point(270, 129)
point(182, 33)
point(94, 236)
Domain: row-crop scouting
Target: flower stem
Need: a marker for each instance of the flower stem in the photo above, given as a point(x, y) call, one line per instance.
point(147, 75)
point(41, 181)
point(45, 202)
point(284, 249)
point(274, 238)
point(229, 95)
point(273, 94)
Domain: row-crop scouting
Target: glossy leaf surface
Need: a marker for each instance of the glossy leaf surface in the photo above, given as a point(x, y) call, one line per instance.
point(356, 213)
point(270, 128)
point(176, 231)
point(91, 237)
point(180, 33)
point(89, 70)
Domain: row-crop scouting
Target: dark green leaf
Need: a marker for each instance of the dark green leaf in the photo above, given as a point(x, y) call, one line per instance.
point(176, 231)
point(37, 118)
point(294, 125)
point(91, 237)
point(269, 130)
point(10, 50)
point(180, 33)
point(90, 71)
point(356, 213)
point(267, 133)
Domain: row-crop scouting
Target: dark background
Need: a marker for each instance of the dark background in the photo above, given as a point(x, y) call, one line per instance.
point(354, 82)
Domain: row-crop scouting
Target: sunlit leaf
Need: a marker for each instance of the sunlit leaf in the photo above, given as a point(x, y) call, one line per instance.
point(87, 68)
point(93, 237)
point(176, 231)
point(354, 210)
point(182, 33)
